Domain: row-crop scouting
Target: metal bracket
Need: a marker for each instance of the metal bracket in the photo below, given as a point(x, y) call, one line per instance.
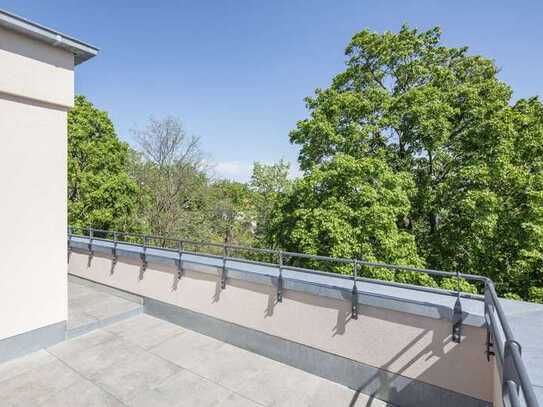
point(223, 274)
point(354, 293)
point(69, 240)
point(91, 236)
point(144, 254)
point(114, 251)
point(489, 339)
point(489, 346)
point(280, 279)
point(180, 261)
point(458, 327)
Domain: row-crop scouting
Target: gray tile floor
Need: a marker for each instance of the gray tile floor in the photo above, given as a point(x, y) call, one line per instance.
point(144, 361)
point(90, 308)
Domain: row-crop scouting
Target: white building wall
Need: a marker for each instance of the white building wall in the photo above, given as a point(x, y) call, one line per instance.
point(36, 91)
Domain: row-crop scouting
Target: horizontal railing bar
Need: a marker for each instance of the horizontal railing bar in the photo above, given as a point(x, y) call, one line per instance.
point(253, 249)
point(208, 255)
point(432, 290)
point(324, 258)
point(318, 257)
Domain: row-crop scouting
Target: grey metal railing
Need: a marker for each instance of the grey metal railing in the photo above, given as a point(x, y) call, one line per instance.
point(516, 384)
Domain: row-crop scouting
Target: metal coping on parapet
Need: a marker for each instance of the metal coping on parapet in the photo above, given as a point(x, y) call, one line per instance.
point(507, 351)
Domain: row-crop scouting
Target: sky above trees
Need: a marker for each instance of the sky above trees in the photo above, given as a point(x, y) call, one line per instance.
point(236, 72)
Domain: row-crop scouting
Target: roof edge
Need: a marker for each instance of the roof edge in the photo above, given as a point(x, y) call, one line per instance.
point(81, 50)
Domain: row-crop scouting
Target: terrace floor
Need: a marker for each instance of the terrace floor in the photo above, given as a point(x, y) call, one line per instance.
point(144, 361)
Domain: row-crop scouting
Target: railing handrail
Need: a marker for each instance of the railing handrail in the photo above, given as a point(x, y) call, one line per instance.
point(513, 368)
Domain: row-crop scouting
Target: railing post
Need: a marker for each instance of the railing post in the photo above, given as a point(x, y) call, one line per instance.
point(280, 278)
point(115, 239)
point(223, 274)
point(457, 314)
point(91, 236)
point(180, 259)
point(69, 242)
point(488, 309)
point(70, 232)
point(144, 254)
point(354, 309)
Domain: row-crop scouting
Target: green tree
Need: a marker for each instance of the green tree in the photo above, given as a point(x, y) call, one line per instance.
point(269, 184)
point(233, 216)
point(442, 116)
point(171, 171)
point(349, 208)
point(100, 192)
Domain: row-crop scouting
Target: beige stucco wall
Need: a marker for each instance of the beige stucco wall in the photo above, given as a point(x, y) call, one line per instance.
point(33, 287)
point(413, 346)
point(35, 70)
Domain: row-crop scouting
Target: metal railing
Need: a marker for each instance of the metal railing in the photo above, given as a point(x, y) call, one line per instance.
point(516, 384)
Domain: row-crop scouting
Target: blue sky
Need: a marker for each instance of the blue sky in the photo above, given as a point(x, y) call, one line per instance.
point(236, 71)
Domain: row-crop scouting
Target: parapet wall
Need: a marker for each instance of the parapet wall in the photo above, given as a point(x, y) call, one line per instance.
point(399, 357)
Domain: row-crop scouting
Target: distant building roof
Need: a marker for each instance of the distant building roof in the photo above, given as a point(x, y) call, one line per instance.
point(82, 51)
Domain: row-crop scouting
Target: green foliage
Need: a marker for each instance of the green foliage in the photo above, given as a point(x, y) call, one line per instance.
point(348, 208)
point(100, 192)
point(452, 284)
point(440, 117)
point(233, 212)
point(536, 294)
point(269, 184)
point(512, 296)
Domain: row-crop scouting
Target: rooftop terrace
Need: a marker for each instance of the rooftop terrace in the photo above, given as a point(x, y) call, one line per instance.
point(145, 361)
point(153, 325)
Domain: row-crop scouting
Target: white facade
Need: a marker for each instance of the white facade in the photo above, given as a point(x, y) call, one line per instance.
point(36, 92)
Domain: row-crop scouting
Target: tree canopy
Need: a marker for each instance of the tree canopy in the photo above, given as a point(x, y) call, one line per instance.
point(442, 117)
point(100, 192)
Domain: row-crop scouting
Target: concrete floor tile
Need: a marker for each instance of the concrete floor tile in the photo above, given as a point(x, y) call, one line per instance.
point(82, 394)
point(112, 307)
point(187, 350)
point(145, 331)
point(98, 359)
point(231, 366)
point(76, 290)
point(279, 384)
point(23, 364)
point(73, 347)
point(235, 400)
point(183, 389)
point(86, 298)
point(140, 322)
point(36, 385)
point(138, 372)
